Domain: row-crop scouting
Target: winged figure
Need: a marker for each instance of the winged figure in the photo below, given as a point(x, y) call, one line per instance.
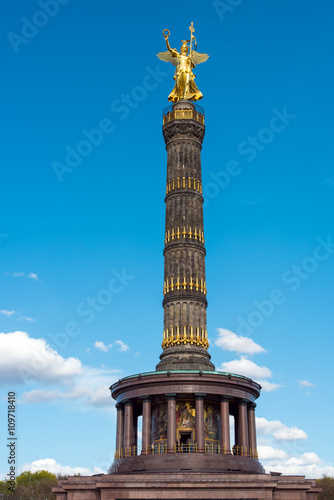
point(185, 86)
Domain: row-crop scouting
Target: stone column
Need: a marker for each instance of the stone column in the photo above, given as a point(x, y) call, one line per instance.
point(147, 425)
point(171, 422)
point(199, 422)
point(252, 429)
point(135, 432)
point(243, 427)
point(225, 425)
point(185, 340)
point(128, 426)
point(236, 430)
point(120, 429)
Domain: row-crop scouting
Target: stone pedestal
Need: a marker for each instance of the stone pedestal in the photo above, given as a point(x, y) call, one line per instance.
point(185, 485)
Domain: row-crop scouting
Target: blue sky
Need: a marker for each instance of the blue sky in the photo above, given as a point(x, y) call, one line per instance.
point(73, 224)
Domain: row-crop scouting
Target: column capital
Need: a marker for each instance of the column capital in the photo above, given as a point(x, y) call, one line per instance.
point(170, 395)
point(145, 398)
point(128, 402)
point(119, 406)
point(243, 402)
point(252, 406)
point(199, 395)
point(226, 398)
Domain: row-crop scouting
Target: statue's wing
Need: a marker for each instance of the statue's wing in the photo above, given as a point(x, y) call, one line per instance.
point(167, 57)
point(198, 58)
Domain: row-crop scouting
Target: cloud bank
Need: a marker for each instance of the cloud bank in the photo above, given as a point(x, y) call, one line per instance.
point(230, 341)
point(52, 466)
point(25, 359)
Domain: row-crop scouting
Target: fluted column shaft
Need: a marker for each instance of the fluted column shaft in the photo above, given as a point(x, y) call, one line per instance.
point(171, 422)
point(199, 423)
point(128, 425)
point(243, 426)
point(252, 427)
point(120, 428)
point(135, 431)
point(225, 425)
point(236, 429)
point(146, 436)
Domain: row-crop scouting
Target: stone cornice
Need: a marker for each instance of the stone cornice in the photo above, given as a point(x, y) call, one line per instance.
point(183, 130)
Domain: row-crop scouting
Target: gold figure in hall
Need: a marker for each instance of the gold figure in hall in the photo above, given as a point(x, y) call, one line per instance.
point(185, 86)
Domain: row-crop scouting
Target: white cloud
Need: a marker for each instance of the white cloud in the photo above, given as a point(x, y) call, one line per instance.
point(289, 434)
point(32, 276)
point(230, 341)
point(309, 458)
point(122, 347)
point(307, 464)
point(268, 452)
point(265, 427)
point(105, 348)
point(267, 386)
point(306, 383)
point(52, 466)
point(6, 313)
point(42, 395)
point(90, 389)
point(278, 430)
point(101, 346)
point(247, 368)
point(287, 460)
point(27, 359)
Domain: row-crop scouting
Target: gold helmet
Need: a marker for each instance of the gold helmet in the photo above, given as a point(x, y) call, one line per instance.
point(185, 45)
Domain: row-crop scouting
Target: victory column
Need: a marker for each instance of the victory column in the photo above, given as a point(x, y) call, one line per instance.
point(185, 405)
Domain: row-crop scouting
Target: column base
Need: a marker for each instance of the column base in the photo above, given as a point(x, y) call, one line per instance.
point(185, 358)
point(186, 484)
point(196, 462)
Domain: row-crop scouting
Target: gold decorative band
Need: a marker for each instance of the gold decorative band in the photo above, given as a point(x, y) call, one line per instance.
point(176, 234)
point(185, 335)
point(193, 284)
point(183, 183)
point(183, 114)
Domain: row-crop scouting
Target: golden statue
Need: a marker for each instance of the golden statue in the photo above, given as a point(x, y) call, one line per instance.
point(185, 86)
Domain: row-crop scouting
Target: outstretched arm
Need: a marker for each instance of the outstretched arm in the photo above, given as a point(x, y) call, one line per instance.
point(172, 51)
point(167, 43)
